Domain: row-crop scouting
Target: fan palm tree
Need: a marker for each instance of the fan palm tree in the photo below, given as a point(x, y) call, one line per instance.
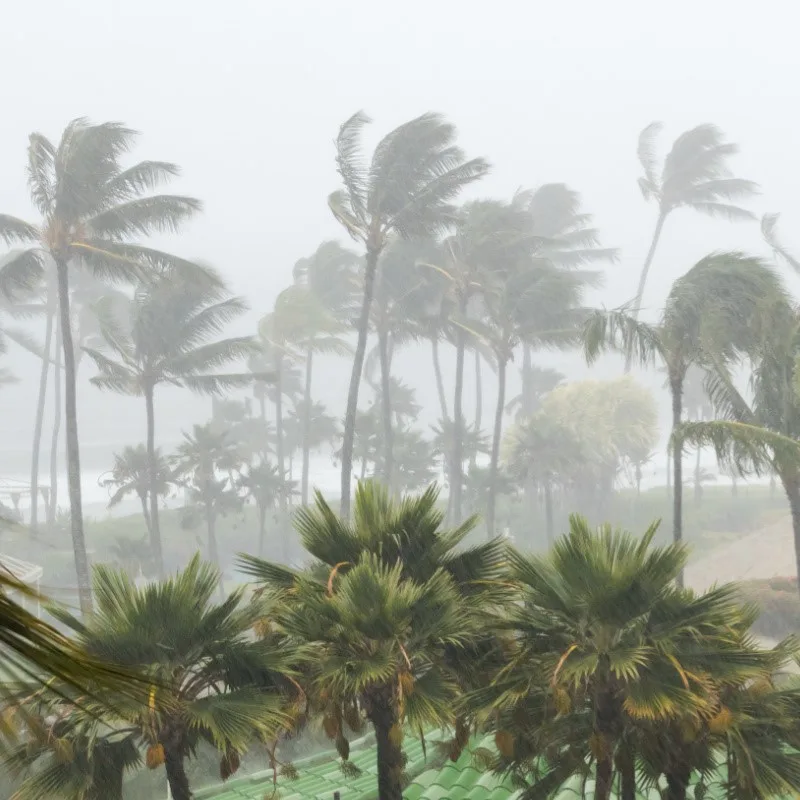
point(415, 173)
point(91, 207)
point(695, 175)
point(715, 311)
point(171, 338)
point(131, 475)
point(606, 646)
point(210, 679)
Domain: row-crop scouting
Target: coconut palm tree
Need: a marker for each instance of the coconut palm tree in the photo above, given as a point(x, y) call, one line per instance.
point(91, 208)
point(714, 312)
point(131, 475)
point(695, 174)
point(170, 337)
point(264, 484)
point(415, 173)
point(211, 680)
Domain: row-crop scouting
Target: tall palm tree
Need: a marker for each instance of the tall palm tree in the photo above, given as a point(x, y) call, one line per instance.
point(211, 681)
point(695, 175)
point(131, 475)
point(171, 338)
point(715, 311)
point(415, 173)
point(91, 208)
point(264, 483)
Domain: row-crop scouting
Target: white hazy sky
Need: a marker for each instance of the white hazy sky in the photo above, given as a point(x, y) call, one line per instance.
point(247, 95)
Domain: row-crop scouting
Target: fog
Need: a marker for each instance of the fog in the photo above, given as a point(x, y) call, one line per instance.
point(247, 97)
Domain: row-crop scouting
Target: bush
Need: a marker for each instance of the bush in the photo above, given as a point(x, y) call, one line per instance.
point(779, 603)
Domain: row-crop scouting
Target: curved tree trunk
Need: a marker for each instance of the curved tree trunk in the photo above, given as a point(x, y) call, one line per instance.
point(152, 468)
point(52, 508)
point(73, 447)
point(498, 432)
point(383, 716)
point(348, 438)
point(307, 428)
point(456, 478)
point(791, 485)
point(637, 302)
point(279, 430)
point(676, 390)
point(437, 371)
point(386, 407)
point(40, 403)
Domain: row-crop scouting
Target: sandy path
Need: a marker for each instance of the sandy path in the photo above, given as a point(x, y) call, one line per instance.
point(763, 554)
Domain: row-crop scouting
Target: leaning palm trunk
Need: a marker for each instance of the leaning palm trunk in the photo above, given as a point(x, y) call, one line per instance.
point(437, 371)
point(348, 438)
point(145, 512)
point(637, 302)
point(790, 478)
point(386, 406)
point(152, 468)
point(306, 429)
point(382, 713)
point(498, 432)
point(40, 403)
point(56, 435)
point(456, 478)
point(676, 390)
point(73, 447)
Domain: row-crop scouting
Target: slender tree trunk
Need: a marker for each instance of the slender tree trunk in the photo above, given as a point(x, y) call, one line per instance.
point(262, 529)
point(637, 302)
point(676, 390)
point(386, 407)
point(152, 468)
point(527, 380)
point(73, 447)
point(307, 428)
point(56, 434)
point(456, 479)
point(437, 371)
point(348, 438)
point(211, 526)
point(791, 485)
point(383, 716)
point(478, 403)
point(627, 770)
point(669, 472)
point(279, 430)
point(604, 713)
point(145, 512)
point(678, 781)
point(548, 513)
point(176, 774)
point(498, 432)
point(698, 487)
point(40, 403)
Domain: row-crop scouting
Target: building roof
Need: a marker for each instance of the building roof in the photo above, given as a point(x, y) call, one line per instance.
point(320, 777)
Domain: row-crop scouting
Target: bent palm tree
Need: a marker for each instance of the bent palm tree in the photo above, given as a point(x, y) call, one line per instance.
point(695, 174)
point(91, 208)
point(715, 311)
point(170, 339)
point(415, 173)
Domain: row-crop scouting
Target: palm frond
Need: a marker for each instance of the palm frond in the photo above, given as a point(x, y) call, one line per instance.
point(144, 216)
point(646, 153)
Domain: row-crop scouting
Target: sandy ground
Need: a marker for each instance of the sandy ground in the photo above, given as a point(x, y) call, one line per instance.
point(766, 553)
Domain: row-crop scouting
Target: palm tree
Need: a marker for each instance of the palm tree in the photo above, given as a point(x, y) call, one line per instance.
point(131, 475)
point(695, 174)
point(606, 649)
point(415, 173)
point(405, 641)
point(211, 681)
point(171, 338)
point(714, 311)
point(264, 483)
point(200, 457)
point(91, 208)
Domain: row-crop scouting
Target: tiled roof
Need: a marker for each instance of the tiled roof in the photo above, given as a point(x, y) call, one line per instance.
point(320, 777)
